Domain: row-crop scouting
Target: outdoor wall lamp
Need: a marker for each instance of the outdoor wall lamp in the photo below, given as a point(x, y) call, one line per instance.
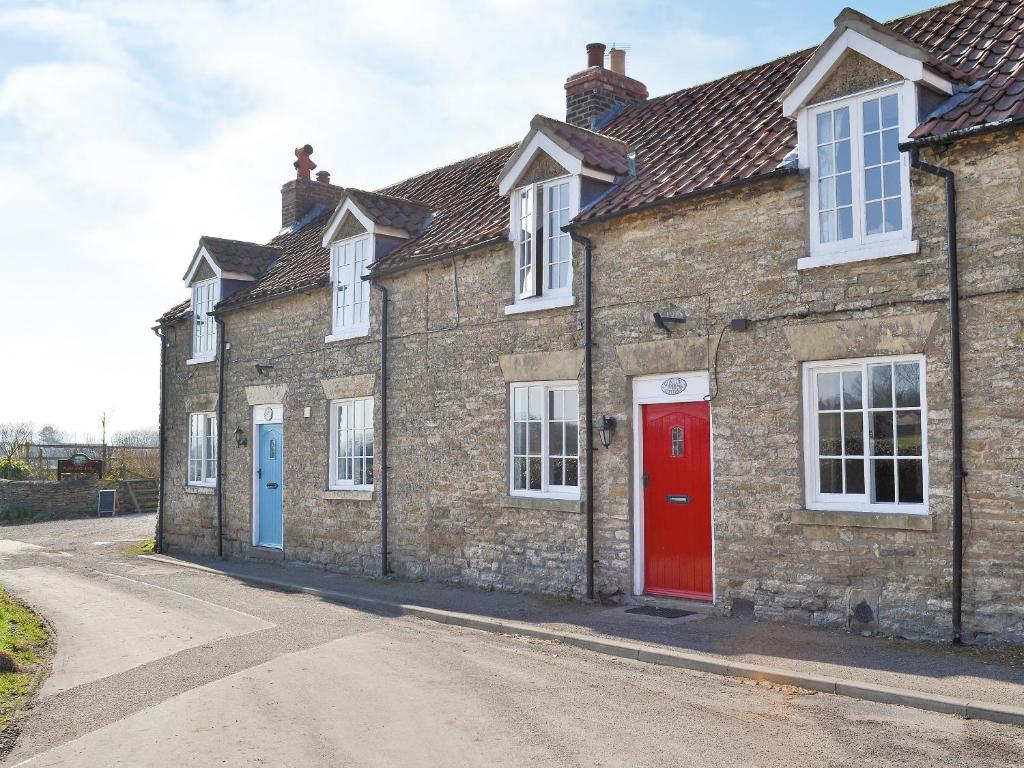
point(240, 438)
point(662, 321)
point(606, 429)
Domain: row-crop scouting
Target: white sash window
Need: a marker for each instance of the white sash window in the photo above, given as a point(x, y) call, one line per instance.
point(205, 295)
point(351, 303)
point(202, 449)
point(544, 448)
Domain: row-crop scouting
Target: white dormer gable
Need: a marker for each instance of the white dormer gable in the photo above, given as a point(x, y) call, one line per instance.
point(349, 207)
point(859, 33)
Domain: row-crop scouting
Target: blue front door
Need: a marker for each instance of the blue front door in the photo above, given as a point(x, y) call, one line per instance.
point(270, 487)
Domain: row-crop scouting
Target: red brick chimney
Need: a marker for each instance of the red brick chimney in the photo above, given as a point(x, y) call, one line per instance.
point(300, 195)
point(594, 92)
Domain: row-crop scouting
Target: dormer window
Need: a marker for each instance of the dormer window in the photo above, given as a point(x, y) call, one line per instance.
point(543, 250)
point(205, 295)
point(859, 177)
point(351, 304)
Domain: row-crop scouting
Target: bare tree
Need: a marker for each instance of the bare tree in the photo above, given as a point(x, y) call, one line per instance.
point(12, 435)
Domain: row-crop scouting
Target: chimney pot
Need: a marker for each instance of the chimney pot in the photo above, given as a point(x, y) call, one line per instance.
point(595, 55)
point(304, 164)
point(618, 60)
point(324, 177)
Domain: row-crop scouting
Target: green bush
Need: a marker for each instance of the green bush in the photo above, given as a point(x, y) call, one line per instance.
point(14, 469)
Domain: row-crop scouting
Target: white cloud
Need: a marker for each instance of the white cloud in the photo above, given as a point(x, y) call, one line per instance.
point(131, 129)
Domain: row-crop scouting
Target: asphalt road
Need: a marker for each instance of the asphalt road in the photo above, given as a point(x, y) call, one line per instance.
point(161, 666)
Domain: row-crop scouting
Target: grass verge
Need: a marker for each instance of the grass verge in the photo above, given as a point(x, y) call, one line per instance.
point(23, 638)
point(144, 547)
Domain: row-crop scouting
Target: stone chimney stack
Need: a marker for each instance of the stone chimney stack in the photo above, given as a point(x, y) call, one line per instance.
point(300, 195)
point(592, 94)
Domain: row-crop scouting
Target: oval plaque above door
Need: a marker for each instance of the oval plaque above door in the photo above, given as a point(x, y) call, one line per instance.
point(673, 385)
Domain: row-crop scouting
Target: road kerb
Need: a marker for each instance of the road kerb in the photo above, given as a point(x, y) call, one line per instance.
point(716, 665)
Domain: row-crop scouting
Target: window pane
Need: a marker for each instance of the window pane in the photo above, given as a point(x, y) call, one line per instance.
point(852, 389)
point(519, 438)
point(534, 472)
point(572, 439)
point(873, 184)
point(844, 189)
point(911, 479)
point(908, 433)
point(853, 433)
point(829, 442)
point(824, 122)
point(826, 193)
point(883, 482)
point(828, 391)
point(881, 433)
point(870, 111)
point(855, 476)
point(536, 402)
point(369, 471)
point(555, 474)
point(891, 180)
point(893, 215)
point(555, 438)
point(519, 403)
point(572, 404)
point(533, 437)
point(572, 472)
point(872, 149)
point(881, 386)
point(519, 473)
point(873, 218)
point(890, 111)
point(908, 385)
point(831, 471)
point(826, 163)
point(890, 145)
point(826, 226)
point(844, 224)
point(555, 404)
point(843, 156)
point(842, 122)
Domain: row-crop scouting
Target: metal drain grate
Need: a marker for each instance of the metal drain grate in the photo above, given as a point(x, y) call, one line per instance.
point(661, 613)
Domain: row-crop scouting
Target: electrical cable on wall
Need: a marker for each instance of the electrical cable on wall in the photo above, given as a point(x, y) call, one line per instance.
point(714, 367)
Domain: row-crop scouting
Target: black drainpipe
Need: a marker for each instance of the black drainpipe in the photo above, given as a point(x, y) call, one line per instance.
point(588, 405)
point(957, 409)
point(220, 434)
point(159, 331)
point(382, 454)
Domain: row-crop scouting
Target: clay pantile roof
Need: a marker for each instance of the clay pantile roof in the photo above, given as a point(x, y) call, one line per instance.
point(730, 130)
point(175, 313)
point(239, 256)
point(985, 39)
point(392, 211)
point(598, 151)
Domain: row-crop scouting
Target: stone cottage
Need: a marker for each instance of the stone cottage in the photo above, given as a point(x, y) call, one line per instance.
point(755, 345)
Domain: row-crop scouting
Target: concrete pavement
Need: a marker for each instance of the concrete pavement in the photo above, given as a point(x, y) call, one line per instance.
point(272, 678)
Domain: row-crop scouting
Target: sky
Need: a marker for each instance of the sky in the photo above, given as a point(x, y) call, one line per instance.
point(129, 129)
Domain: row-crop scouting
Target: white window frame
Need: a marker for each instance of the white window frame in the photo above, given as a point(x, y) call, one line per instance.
point(861, 246)
point(350, 326)
point(335, 482)
point(205, 295)
point(833, 502)
point(547, 491)
point(547, 297)
point(202, 425)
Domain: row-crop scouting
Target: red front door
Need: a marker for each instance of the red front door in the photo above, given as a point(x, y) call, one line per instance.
point(677, 499)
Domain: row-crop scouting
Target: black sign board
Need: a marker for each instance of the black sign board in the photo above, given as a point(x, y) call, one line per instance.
point(107, 502)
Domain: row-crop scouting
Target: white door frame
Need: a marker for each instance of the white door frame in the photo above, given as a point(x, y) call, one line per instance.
point(271, 413)
point(650, 390)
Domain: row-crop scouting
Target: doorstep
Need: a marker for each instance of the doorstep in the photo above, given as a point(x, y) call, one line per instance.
point(679, 603)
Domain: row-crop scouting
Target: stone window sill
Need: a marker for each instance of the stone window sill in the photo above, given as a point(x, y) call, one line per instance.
point(850, 255)
point(344, 334)
point(200, 490)
point(540, 303)
point(864, 520)
point(199, 360)
point(348, 494)
point(543, 504)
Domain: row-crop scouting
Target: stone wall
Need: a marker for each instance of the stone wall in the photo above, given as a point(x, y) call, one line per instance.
point(710, 259)
point(70, 496)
